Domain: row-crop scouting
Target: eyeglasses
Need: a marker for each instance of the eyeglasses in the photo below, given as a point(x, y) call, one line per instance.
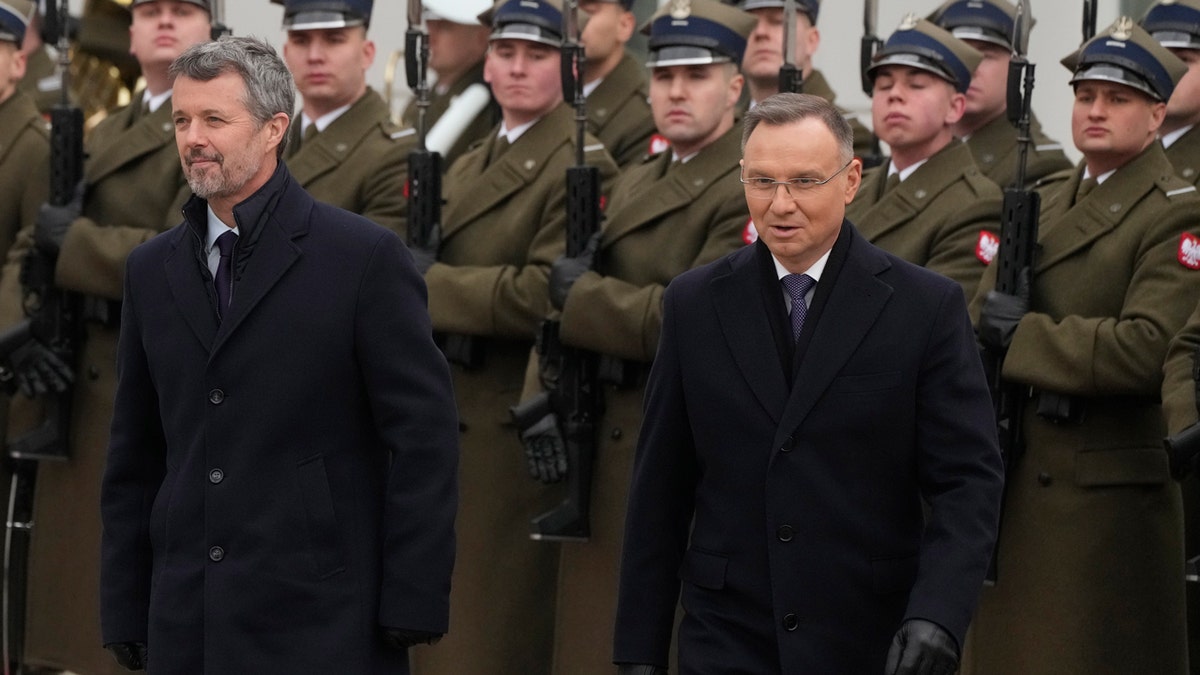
point(764, 188)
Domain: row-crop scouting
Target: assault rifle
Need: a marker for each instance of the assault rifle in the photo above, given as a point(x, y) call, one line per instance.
point(573, 395)
point(1089, 20)
point(870, 44)
point(791, 78)
point(424, 166)
point(51, 323)
point(1014, 260)
point(219, 29)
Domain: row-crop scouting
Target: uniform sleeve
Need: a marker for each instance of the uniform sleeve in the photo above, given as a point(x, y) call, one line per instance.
point(1115, 355)
point(509, 300)
point(611, 316)
point(383, 197)
point(92, 259)
point(953, 251)
point(412, 403)
point(135, 469)
point(1179, 385)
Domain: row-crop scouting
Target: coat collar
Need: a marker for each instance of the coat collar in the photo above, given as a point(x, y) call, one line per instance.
point(334, 146)
point(626, 80)
point(268, 221)
point(520, 165)
point(908, 199)
point(147, 134)
point(677, 188)
point(19, 113)
point(1067, 227)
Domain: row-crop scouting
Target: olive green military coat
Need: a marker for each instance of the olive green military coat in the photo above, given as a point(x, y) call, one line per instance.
point(1091, 547)
point(359, 163)
point(997, 153)
point(663, 220)
point(619, 113)
point(1179, 383)
point(135, 190)
point(483, 122)
point(24, 166)
point(42, 81)
point(941, 217)
point(502, 227)
point(1184, 154)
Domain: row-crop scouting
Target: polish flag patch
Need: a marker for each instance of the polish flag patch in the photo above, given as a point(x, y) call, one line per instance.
point(1189, 251)
point(658, 143)
point(750, 234)
point(987, 247)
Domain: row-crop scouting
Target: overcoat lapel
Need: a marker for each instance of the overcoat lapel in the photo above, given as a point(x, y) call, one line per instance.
point(146, 136)
point(908, 199)
point(854, 304)
point(748, 333)
point(508, 174)
point(181, 271)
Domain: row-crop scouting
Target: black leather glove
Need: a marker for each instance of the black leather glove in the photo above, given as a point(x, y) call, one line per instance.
point(425, 256)
point(130, 655)
point(54, 221)
point(566, 271)
point(639, 669)
point(545, 450)
point(39, 370)
point(400, 638)
point(922, 647)
point(1001, 312)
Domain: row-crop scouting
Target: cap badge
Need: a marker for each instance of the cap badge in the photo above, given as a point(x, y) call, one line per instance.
point(681, 9)
point(1123, 30)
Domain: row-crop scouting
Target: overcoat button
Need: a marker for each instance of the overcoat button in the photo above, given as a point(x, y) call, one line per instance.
point(787, 444)
point(216, 396)
point(616, 434)
point(216, 554)
point(785, 533)
point(790, 622)
point(216, 476)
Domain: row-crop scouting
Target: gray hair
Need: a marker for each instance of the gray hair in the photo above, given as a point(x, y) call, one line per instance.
point(786, 108)
point(270, 89)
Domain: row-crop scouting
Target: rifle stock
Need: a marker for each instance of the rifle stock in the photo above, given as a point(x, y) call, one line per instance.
point(424, 187)
point(791, 78)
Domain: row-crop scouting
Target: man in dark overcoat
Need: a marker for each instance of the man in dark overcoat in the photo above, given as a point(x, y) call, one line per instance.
point(280, 489)
point(786, 459)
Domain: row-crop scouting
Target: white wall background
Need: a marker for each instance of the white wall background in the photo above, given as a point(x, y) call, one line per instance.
point(1057, 34)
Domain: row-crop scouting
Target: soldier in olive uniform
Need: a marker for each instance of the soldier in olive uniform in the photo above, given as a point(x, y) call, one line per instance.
point(461, 108)
point(929, 204)
point(1090, 555)
point(134, 189)
point(343, 148)
point(614, 82)
point(1176, 26)
point(681, 208)
point(502, 227)
point(764, 57)
point(24, 138)
point(987, 25)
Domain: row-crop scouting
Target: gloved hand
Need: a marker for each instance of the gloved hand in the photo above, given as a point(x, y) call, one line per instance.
point(400, 638)
point(54, 221)
point(1001, 312)
point(566, 271)
point(922, 647)
point(39, 370)
point(639, 669)
point(130, 655)
point(545, 450)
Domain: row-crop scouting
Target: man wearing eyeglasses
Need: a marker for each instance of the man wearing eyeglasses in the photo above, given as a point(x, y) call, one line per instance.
point(930, 204)
point(809, 395)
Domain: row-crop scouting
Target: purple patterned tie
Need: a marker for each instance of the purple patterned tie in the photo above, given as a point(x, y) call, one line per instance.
point(798, 285)
point(224, 279)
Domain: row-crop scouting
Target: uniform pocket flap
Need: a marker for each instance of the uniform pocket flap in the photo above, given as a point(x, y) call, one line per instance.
point(1123, 466)
point(706, 570)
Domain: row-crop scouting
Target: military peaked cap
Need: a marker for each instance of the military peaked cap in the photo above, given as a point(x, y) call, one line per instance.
point(15, 16)
point(533, 20)
point(1126, 54)
point(917, 43)
point(1174, 23)
point(695, 32)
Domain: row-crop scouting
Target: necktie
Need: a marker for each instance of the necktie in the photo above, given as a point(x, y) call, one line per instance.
point(1085, 188)
point(310, 132)
point(798, 285)
point(224, 278)
point(891, 183)
point(498, 147)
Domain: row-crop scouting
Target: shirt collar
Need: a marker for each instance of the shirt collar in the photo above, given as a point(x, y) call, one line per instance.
point(513, 134)
point(155, 102)
point(323, 121)
point(817, 269)
point(216, 227)
point(907, 172)
point(1170, 138)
